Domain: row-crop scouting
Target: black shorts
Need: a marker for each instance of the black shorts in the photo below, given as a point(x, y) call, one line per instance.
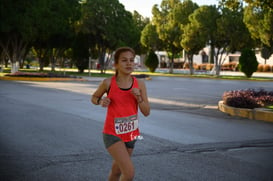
point(111, 139)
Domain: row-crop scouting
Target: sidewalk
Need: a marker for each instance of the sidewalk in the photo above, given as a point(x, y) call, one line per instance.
point(183, 71)
point(255, 74)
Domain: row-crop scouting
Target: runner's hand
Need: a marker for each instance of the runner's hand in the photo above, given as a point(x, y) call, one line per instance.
point(105, 102)
point(137, 93)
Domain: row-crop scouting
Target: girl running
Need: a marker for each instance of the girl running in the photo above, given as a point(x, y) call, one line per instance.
point(125, 95)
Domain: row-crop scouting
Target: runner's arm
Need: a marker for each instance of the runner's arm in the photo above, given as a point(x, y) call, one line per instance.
point(101, 90)
point(143, 101)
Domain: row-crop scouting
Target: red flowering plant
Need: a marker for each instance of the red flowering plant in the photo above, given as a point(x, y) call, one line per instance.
point(27, 74)
point(37, 74)
point(249, 98)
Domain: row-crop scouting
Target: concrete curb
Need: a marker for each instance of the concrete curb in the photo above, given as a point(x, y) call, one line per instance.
point(261, 114)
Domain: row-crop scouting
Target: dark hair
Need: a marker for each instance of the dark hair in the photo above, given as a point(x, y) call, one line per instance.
point(121, 50)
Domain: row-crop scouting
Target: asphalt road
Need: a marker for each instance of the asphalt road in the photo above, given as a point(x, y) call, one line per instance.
point(51, 131)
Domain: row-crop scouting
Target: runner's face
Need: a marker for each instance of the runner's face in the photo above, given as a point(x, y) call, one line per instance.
point(125, 63)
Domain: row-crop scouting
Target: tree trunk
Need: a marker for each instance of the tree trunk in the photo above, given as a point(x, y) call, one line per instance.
point(211, 53)
point(217, 66)
point(101, 64)
point(218, 70)
point(14, 63)
point(171, 64)
point(108, 61)
point(101, 59)
point(41, 64)
point(14, 66)
point(190, 58)
point(6, 63)
point(15, 49)
point(53, 65)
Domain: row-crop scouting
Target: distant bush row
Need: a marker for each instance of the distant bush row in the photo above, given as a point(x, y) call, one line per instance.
point(249, 98)
point(38, 74)
point(232, 66)
point(265, 68)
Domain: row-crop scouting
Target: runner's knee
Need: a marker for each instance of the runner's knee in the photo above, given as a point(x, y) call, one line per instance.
point(116, 170)
point(128, 175)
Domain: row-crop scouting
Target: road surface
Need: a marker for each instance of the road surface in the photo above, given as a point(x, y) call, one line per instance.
point(51, 131)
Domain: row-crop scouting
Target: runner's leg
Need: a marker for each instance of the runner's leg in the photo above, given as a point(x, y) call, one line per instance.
point(122, 166)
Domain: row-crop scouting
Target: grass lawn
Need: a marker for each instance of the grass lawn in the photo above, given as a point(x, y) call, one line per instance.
point(270, 107)
point(96, 73)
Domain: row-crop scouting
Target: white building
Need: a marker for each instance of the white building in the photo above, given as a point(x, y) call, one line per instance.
point(203, 57)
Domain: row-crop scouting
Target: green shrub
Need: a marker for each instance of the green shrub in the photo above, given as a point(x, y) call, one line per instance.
point(248, 63)
point(151, 61)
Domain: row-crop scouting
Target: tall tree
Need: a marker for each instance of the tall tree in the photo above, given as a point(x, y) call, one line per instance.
point(139, 22)
point(15, 29)
point(259, 21)
point(150, 39)
point(193, 40)
point(24, 23)
point(167, 28)
point(264, 4)
point(266, 52)
point(169, 20)
point(53, 21)
point(109, 26)
point(258, 13)
point(231, 35)
point(206, 17)
point(224, 31)
point(61, 40)
point(258, 18)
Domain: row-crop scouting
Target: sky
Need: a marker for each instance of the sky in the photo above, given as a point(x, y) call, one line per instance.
point(144, 7)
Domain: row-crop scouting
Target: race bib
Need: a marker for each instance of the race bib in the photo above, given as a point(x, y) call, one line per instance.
point(126, 124)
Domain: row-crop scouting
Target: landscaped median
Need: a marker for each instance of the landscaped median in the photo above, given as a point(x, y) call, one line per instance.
point(41, 79)
point(262, 114)
point(34, 76)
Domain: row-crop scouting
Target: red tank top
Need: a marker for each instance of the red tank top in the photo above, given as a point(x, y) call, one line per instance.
point(122, 119)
